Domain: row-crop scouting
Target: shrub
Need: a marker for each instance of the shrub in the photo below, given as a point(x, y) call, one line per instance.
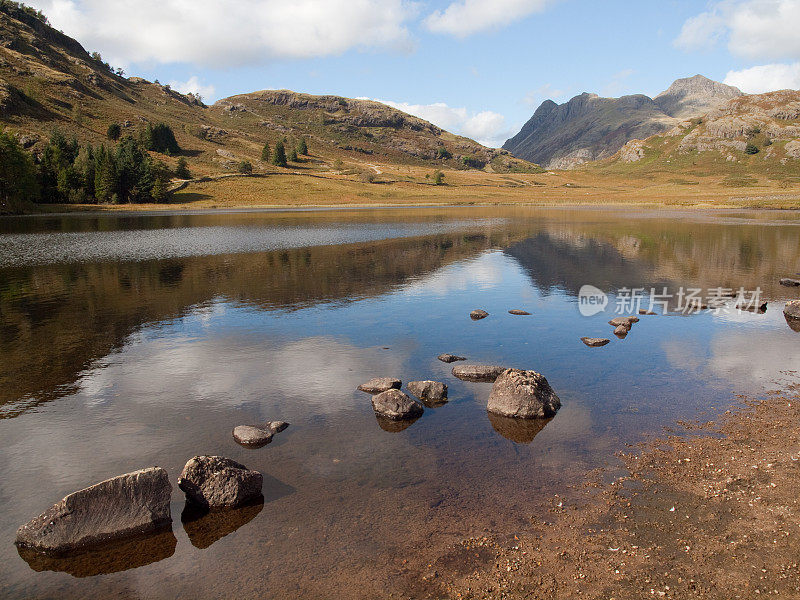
point(443, 153)
point(438, 178)
point(751, 149)
point(113, 132)
point(265, 153)
point(245, 167)
point(472, 162)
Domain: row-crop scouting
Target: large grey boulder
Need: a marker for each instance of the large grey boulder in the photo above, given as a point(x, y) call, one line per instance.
point(380, 384)
point(523, 395)
point(792, 314)
point(479, 373)
point(219, 482)
point(394, 404)
point(119, 507)
point(432, 393)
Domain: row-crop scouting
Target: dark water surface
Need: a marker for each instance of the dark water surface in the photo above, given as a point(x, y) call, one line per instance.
point(131, 341)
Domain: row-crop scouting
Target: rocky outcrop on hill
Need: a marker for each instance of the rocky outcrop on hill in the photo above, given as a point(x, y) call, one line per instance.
point(589, 127)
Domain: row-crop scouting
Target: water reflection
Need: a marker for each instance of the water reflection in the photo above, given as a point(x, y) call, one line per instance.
point(204, 527)
point(394, 425)
point(108, 558)
point(109, 365)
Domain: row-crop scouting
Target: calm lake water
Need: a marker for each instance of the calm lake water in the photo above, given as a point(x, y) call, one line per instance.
point(131, 341)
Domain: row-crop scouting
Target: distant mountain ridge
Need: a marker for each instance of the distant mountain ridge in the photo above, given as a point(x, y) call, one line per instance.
point(589, 127)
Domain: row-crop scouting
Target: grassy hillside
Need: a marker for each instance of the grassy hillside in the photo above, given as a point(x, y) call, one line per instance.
point(49, 81)
point(751, 142)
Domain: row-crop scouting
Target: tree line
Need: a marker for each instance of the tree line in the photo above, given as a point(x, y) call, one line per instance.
point(67, 172)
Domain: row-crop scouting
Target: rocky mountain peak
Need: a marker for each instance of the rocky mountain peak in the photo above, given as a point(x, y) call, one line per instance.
point(693, 96)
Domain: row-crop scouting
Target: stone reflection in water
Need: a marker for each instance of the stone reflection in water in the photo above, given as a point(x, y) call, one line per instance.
point(108, 558)
point(393, 426)
point(204, 527)
point(519, 431)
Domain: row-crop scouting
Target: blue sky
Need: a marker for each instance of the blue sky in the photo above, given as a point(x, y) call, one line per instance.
point(476, 67)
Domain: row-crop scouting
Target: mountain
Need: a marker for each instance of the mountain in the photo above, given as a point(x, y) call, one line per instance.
point(589, 127)
point(49, 81)
point(750, 137)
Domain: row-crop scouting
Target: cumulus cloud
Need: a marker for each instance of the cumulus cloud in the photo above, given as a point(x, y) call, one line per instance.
point(765, 78)
point(194, 86)
point(223, 34)
point(755, 29)
point(486, 127)
point(465, 17)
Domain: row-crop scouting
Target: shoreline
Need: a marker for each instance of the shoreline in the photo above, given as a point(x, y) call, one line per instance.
point(712, 507)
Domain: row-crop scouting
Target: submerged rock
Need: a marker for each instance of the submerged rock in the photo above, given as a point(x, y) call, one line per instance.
point(789, 282)
point(595, 342)
point(646, 312)
point(380, 384)
point(432, 393)
point(219, 482)
point(126, 505)
point(258, 437)
point(477, 315)
point(450, 358)
point(478, 373)
point(394, 404)
point(625, 321)
point(523, 395)
point(516, 311)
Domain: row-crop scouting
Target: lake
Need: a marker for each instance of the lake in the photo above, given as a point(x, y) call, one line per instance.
point(128, 341)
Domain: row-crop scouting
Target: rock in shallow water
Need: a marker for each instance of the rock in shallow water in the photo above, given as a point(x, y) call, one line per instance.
point(523, 395)
point(595, 342)
point(478, 373)
point(219, 482)
point(516, 311)
point(394, 404)
point(432, 393)
point(380, 384)
point(450, 358)
point(247, 435)
point(119, 507)
point(621, 331)
point(477, 315)
point(792, 313)
point(789, 282)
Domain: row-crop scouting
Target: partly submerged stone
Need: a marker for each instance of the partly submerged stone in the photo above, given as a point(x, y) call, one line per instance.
point(479, 373)
point(394, 404)
point(432, 393)
point(792, 313)
point(595, 342)
point(380, 384)
point(625, 321)
point(247, 435)
point(621, 331)
point(642, 311)
point(219, 482)
point(477, 315)
point(789, 282)
point(516, 311)
point(450, 358)
point(523, 395)
point(126, 505)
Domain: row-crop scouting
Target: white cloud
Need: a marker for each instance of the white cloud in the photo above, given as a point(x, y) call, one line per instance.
point(193, 86)
point(756, 29)
point(222, 34)
point(465, 17)
point(486, 127)
point(765, 78)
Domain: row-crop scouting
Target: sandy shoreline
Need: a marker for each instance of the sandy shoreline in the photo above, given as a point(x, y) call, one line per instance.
point(711, 512)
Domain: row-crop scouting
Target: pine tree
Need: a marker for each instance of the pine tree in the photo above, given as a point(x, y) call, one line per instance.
point(302, 147)
point(114, 131)
point(293, 155)
point(265, 152)
point(18, 184)
point(279, 156)
point(182, 170)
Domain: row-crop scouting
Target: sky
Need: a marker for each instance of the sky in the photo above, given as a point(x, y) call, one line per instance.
point(474, 67)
